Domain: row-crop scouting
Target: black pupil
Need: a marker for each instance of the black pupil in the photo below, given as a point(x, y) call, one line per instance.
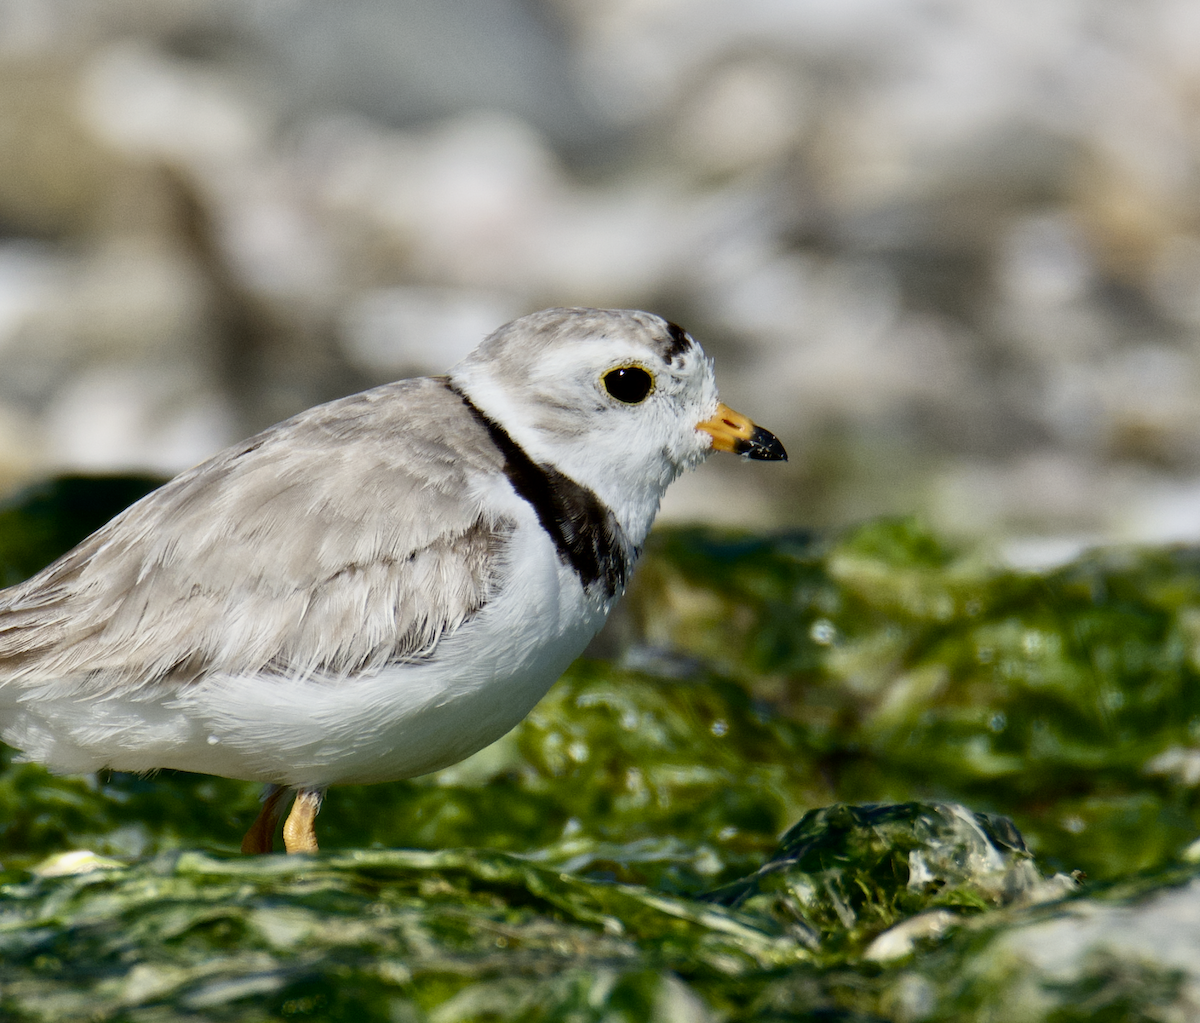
point(629, 384)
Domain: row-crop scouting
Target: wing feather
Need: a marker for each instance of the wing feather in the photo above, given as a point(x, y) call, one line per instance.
point(347, 537)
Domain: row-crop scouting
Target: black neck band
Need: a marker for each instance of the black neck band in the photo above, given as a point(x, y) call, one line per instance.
point(585, 532)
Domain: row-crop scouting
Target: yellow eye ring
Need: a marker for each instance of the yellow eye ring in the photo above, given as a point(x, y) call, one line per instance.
point(630, 385)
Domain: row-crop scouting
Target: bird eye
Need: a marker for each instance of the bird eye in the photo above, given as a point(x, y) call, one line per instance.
point(630, 384)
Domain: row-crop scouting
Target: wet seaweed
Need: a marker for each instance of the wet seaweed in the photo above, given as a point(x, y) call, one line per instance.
point(868, 776)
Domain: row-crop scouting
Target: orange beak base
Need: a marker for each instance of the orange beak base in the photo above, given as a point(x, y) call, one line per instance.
point(732, 431)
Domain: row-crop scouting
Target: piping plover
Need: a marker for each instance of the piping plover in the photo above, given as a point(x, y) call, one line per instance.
point(377, 587)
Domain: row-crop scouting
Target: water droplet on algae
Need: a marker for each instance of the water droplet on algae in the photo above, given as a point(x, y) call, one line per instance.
point(822, 631)
point(998, 721)
point(633, 781)
point(719, 728)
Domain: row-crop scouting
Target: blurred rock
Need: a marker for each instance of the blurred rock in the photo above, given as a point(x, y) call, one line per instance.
point(20, 454)
point(746, 114)
point(1140, 956)
point(406, 61)
point(392, 332)
point(144, 102)
point(54, 175)
point(130, 418)
point(861, 872)
point(948, 254)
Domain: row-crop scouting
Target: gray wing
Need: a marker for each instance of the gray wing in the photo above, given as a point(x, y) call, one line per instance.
point(338, 540)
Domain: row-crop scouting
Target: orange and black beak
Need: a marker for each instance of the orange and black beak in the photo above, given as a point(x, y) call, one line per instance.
point(732, 431)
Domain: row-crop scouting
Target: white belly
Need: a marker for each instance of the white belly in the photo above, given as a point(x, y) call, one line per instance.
point(408, 719)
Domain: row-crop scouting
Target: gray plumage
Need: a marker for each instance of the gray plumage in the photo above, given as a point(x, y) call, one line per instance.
point(284, 555)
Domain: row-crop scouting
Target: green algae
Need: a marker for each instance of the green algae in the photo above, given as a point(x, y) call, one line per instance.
point(1067, 700)
point(812, 778)
point(393, 926)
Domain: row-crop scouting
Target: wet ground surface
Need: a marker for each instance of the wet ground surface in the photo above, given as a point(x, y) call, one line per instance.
point(862, 776)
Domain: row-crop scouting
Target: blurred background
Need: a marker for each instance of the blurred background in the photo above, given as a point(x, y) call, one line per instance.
point(948, 250)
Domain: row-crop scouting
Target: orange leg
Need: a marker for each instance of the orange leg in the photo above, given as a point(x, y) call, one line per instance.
point(261, 836)
point(299, 834)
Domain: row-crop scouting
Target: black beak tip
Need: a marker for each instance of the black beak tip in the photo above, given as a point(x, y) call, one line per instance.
point(764, 446)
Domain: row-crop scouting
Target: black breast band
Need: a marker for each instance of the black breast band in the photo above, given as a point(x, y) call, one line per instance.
point(585, 532)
